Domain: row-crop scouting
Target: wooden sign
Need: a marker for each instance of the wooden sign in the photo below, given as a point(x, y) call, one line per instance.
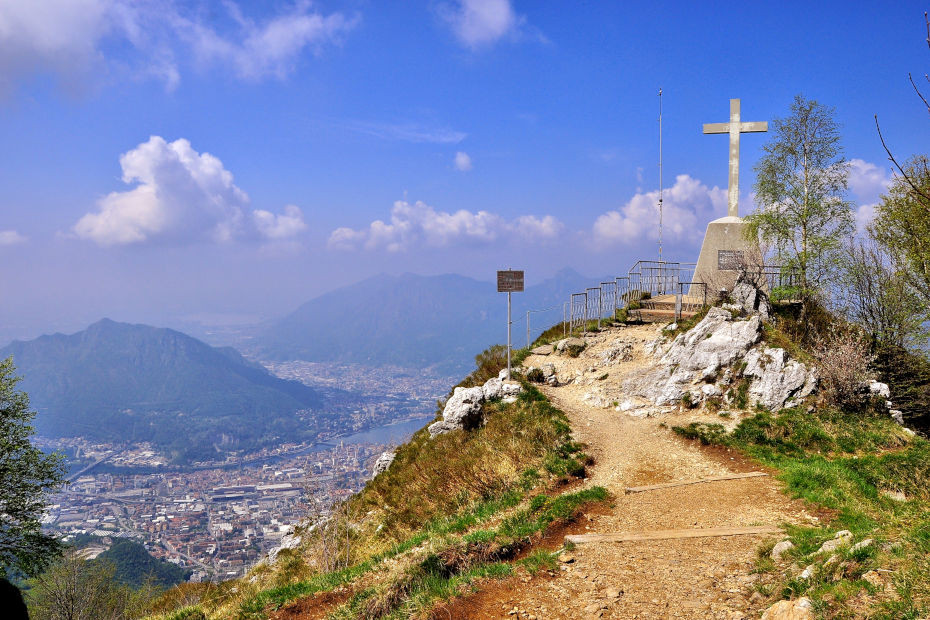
point(509, 281)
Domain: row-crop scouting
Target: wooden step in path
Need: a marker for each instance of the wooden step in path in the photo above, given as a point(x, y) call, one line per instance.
point(668, 485)
point(673, 534)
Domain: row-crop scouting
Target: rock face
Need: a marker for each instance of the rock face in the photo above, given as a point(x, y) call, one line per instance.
point(619, 351)
point(752, 300)
point(697, 363)
point(384, 461)
point(291, 540)
point(778, 383)
point(463, 409)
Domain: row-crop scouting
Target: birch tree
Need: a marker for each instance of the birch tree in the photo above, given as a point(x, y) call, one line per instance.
point(801, 183)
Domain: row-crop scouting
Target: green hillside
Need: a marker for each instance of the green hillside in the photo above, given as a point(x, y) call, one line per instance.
point(120, 382)
point(135, 566)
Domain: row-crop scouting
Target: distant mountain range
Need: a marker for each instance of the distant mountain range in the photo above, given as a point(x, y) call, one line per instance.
point(440, 322)
point(115, 381)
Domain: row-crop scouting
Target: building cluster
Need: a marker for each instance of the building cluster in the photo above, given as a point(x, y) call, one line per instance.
point(218, 521)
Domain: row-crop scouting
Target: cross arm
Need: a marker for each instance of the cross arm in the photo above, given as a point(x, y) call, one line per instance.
point(717, 127)
point(753, 127)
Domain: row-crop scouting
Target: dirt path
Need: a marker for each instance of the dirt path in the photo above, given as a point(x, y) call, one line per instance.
point(693, 578)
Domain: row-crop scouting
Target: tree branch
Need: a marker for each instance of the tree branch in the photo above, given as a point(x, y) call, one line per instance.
point(891, 158)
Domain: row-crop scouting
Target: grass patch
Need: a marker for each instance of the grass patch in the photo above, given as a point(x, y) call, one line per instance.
point(844, 461)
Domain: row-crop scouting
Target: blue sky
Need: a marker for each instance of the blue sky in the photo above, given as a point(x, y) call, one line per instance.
point(168, 161)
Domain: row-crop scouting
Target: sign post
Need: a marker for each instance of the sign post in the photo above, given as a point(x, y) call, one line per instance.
point(509, 281)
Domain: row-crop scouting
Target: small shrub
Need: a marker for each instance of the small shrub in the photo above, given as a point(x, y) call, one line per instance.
point(843, 361)
point(535, 375)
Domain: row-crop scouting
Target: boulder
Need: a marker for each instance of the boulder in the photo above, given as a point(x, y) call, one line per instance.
point(897, 415)
point(880, 389)
point(571, 346)
point(843, 537)
point(492, 388)
point(545, 349)
point(463, 410)
point(865, 544)
point(779, 549)
point(799, 609)
point(777, 381)
point(384, 461)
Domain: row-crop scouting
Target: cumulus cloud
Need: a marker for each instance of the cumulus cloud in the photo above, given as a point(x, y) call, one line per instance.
point(480, 23)
point(180, 196)
point(420, 224)
point(687, 206)
point(867, 183)
point(81, 40)
point(462, 161)
point(11, 237)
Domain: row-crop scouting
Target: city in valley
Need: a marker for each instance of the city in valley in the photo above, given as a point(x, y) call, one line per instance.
point(219, 518)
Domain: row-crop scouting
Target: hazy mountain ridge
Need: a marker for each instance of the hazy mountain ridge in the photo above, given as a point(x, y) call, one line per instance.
point(116, 381)
point(411, 320)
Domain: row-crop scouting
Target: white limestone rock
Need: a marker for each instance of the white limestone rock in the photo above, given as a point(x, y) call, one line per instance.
point(779, 549)
point(752, 300)
point(291, 540)
point(384, 461)
point(865, 544)
point(842, 538)
point(618, 351)
point(880, 389)
point(799, 609)
point(492, 388)
point(897, 415)
point(714, 342)
point(777, 381)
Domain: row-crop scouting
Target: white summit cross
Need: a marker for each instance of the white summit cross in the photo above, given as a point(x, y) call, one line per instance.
point(735, 127)
point(727, 248)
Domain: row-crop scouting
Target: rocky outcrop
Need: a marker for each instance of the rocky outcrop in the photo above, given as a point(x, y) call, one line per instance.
point(752, 300)
point(696, 366)
point(291, 540)
point(463, 410)
point(697, 355)
point(384, 461)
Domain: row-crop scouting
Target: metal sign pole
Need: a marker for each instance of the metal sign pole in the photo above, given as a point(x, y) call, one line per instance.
point(509, 281)
point(508, 335)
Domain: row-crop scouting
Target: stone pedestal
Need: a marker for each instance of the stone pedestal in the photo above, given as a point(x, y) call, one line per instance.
point(724, 250)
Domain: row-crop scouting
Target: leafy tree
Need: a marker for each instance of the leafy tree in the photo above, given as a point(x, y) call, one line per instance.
point(75, 589)
point(902, 222)
point(801, 181)
point(27, 475)
point(876, 293)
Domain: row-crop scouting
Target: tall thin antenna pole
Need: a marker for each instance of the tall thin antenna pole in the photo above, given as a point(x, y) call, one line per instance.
point(660, 175)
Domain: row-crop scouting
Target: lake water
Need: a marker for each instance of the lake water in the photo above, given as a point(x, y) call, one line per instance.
point(398, 432)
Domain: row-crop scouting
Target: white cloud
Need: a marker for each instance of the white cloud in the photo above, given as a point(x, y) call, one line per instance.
point(82, 42)
point(462, 161)
point(266, 49)
point(481, 23)
point(281, 226)
point(11, 237)
point(687, 206)
point(867, 183)
point(420, 224)
point(181, 196)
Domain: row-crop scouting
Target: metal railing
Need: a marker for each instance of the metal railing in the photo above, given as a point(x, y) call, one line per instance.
point(689, 302)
